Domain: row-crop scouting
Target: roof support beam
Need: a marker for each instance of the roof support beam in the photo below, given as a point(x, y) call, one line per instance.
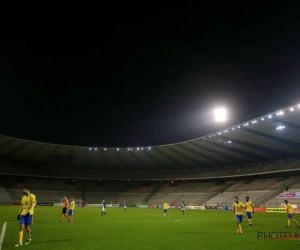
point(185, 156)
point(259, 148)
point(168, 157)
point(274, 138)
point(251, 156)
point(206, 157)
point(11, 153)
point(229, 157)
point(289, 124)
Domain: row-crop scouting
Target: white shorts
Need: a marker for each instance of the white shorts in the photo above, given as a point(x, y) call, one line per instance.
point(125, 206)
point(103, 209)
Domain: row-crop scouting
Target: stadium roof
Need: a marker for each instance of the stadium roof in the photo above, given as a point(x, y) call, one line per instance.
point(267, 138)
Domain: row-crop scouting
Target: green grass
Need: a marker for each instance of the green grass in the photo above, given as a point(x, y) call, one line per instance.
point(145, 229)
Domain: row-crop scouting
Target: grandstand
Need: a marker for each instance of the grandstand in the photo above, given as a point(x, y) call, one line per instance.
point(253, 159)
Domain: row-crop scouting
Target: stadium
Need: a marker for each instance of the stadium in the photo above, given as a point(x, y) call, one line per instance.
point(258, 158)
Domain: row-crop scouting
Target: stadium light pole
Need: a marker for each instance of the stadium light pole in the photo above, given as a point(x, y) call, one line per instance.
point(220, 115)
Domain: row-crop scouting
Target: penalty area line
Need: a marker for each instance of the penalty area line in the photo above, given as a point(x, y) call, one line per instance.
point(2, 234)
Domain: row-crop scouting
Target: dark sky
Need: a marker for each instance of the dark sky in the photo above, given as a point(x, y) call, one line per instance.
point(127, 75)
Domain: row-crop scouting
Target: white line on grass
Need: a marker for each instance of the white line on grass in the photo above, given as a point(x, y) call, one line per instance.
point(2, 234)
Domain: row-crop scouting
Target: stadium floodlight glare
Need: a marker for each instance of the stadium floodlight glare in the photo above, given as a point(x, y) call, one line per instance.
point(105, 149)
point(291, 109)
point(149, 148)
point(90, 148)
point(279, 113)
point(280, 128)
point(220, 115)
point(138, 148)
point(270, 116)
point(262, 119)
point(117, 149)
point(96, 149)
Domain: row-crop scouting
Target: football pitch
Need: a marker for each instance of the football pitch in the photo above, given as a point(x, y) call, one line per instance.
point(139, 228)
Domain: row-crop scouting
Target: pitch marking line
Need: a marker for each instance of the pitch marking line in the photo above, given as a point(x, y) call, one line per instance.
point(2, 234)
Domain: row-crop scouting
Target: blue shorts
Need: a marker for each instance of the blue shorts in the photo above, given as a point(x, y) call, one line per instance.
point(239, 218)
point(165, 210)
point(71, 212)
point(249, 215)
point(26, 220)
point(290, 216)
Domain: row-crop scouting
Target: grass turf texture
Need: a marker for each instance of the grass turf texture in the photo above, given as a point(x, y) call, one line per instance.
point(145, 229)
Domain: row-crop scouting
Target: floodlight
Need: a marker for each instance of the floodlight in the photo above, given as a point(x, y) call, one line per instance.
point(270, 116)
point(262, 119)
point(291, 109)
point(90, 149)
point(149, 148)
point(117, 149)
point(220, 115)
point(105, 149)
point(96, 149)
point(280, 128)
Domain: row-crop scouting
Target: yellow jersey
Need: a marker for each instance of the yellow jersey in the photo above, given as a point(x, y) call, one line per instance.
point(289, 208)
point(166, 206)
point(249, 206)
point(72, 205)
point(27, 204)
point(238, 208)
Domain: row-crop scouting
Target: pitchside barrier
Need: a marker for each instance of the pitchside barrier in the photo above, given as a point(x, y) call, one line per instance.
point(217, 207)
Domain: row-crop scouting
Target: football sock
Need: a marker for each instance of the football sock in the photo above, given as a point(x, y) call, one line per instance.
point(289, 222)
point(250, 221)
point(240, 227)
point(20, 237)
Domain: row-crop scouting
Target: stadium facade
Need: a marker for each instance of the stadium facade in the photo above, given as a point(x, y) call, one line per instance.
point(259, 158)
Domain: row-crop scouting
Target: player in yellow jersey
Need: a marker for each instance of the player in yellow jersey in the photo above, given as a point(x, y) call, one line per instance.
point(25, 215)
point(249, 208)
point(71, 210)
point(64, 209)
point(238, 211)
point(290, 212)
point(165, 206)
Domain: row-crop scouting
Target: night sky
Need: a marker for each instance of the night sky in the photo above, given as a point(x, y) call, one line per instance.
point(117, 76)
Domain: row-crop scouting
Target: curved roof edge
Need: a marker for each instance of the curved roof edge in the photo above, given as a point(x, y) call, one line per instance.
point(246, 123)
